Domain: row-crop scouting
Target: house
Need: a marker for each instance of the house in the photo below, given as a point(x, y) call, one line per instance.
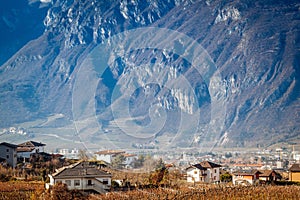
point(205, 171)
point(82, 176)
point(8, 152)
point(70, 154)
point(196, 173)
point(269, 175)
point(25, 149)
point(294, 172)
point(108, 155)
point(129, 158)
point(245, 177)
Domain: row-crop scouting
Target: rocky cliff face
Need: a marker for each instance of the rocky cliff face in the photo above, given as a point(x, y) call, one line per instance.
point(182, 73)
point(20, 22)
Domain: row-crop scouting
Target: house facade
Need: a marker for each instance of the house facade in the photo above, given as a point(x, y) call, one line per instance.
point(294, 172)
point(82, 176)
point(8, 152)
point(245, 178)
point(205, 171)
point(269, 176)
point(108, 155)
point(25, 149)
point(129, 158)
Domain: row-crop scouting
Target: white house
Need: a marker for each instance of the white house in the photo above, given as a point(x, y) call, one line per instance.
point(205, 171)
point(25, 149)
point(70, 154)
point(129, 158)
point(108, 155)
point(82, 176)
point(245, 177)
point(8, 153)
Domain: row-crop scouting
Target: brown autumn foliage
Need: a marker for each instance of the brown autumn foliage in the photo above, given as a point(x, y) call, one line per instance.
point(15, 190)
point(21, 190)
point(169, 185)
point(61, 192)
point(207, 193)
point(142, 178)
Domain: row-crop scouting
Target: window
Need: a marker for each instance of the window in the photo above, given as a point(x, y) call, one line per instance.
point(89, 182)
point(7, 156)
point(195, 172)
point(215, 177)
point(215, 171)
point(105, 181)
point(68, 182)
point(7, 150)
point(77, 182)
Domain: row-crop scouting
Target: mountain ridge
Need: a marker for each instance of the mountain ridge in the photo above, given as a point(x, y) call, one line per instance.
point(255, 51)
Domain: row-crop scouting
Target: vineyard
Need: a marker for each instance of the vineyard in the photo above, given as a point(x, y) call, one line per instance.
point(17, 190)
point(155, 185)
point(221, 193)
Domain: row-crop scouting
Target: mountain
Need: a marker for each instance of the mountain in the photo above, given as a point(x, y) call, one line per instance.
point(152, 74)
point(20, 22)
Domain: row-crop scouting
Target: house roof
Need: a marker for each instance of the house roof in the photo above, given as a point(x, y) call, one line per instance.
point(198, 166)
point(208, 164)
point(110, 152)
point(9, 145)
point(204, 165)
point(32, 144)
point(25, 149)
point(247, 173)
point(80, 169)
point(266, 173)
point(295, 167)
point(127, 155)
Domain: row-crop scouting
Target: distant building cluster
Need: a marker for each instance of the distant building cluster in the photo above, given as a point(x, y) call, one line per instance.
point(240, 168)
